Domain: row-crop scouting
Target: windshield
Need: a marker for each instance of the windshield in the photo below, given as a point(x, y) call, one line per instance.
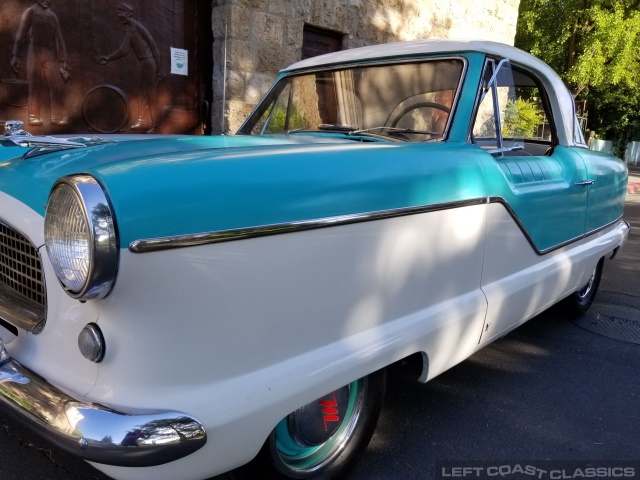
point(409, 101)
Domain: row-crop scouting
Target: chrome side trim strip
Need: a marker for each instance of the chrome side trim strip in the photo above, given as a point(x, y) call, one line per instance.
point(524, 231)
point(191, 240)
point(205, 238)
point(93, 432)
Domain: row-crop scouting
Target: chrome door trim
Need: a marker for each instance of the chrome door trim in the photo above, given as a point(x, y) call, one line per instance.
point(204, 238)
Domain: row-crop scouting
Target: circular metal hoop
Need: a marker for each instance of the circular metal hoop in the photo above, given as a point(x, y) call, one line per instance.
point(101, 100)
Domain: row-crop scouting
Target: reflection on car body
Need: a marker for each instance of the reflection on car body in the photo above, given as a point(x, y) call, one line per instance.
point(221, 301)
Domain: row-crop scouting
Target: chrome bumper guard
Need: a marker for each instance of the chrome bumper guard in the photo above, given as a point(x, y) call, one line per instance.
point(93, 432)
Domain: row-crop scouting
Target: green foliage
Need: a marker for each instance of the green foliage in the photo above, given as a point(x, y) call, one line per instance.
point(521, 119)
point(543, 30)
point(591, 43)
point(594, 45)
point(278, 119)
point(616, 115)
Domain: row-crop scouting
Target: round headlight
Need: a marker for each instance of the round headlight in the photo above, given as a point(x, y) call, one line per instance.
point(80, 237)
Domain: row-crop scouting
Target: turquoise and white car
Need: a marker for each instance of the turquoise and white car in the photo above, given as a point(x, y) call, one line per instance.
point(177, 307)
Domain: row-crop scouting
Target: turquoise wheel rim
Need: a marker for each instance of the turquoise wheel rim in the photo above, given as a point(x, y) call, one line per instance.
point(293, 457)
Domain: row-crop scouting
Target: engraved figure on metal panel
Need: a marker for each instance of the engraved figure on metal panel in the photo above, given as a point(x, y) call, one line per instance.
point(138, 39)
point(46, 61)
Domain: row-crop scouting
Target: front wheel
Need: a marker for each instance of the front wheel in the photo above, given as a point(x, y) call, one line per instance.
point(322, 439)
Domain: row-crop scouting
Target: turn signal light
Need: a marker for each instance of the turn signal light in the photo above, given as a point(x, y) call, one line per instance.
point(91, 343)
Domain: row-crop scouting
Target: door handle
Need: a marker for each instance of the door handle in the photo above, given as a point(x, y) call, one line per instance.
point(584, 183)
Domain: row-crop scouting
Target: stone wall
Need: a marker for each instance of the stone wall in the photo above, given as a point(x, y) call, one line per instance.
point(263, 36)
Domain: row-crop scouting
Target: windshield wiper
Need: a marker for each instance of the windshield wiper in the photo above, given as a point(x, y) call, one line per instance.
point(349, 130)
point(393, 130)
point(324, 127)
point(336, 128)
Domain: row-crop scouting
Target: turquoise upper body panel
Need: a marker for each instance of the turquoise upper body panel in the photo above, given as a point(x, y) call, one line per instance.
point(541, 192)
point(182, 185)
point(30, 180)
point(177, 185)
point(242, 187)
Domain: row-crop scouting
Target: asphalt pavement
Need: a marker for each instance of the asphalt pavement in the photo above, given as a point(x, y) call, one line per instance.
point(550, 391)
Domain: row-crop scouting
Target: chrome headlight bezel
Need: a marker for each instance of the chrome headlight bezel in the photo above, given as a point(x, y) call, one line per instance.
point(102, 247)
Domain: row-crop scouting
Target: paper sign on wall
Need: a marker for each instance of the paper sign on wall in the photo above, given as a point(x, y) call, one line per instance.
point(179, 61)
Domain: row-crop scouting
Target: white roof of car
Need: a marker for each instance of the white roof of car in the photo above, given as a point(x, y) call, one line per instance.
point(403, 49)
point(561, 100)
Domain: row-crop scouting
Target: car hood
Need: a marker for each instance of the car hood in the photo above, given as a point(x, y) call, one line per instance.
point(30, 180)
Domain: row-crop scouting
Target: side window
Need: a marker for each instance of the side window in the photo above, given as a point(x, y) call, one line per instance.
point(511, 116)
point(486, 124)
point(274, 115)
point(527, 116)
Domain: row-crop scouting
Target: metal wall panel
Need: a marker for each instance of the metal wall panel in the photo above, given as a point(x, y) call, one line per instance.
point(105, 66)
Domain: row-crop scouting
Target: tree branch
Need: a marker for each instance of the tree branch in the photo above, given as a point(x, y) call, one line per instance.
point(578, 90)
point(571, 54)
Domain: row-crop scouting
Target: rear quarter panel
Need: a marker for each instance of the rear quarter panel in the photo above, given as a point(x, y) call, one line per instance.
point(606, 196)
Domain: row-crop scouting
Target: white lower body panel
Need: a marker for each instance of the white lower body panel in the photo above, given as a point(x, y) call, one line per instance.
point(240, 334)
point(519, 283)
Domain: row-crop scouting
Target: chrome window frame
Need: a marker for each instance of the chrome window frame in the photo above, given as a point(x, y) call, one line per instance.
point(548, 110)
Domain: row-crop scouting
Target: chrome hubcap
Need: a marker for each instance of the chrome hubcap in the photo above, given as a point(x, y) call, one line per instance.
point(584, 291)
point(314, 435)
point(318, 421)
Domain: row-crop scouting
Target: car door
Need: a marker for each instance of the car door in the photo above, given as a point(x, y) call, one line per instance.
point(538, 202)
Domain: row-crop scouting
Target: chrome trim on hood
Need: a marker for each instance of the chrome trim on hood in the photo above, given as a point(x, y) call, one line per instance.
point(15, 136)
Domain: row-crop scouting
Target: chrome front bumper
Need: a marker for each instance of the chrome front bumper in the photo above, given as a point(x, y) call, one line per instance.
point(93, 432)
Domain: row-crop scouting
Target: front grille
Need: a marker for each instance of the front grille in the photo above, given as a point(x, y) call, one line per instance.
point(22, 290)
